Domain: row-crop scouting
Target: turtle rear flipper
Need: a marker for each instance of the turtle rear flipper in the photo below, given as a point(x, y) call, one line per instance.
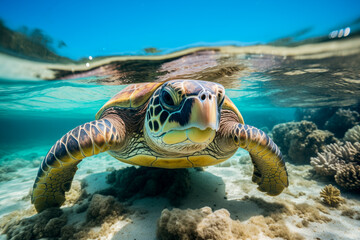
point(58, 168)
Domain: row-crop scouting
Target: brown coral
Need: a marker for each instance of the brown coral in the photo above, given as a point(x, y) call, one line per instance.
point(330, 195)
point(347, 152)
point(336, 156)
point(43, 225)
point(101, 207)
point(325, 163)
point(301, 140)
point(348, 177)
point(341, 121)
point(353, 134)
point(201, 224)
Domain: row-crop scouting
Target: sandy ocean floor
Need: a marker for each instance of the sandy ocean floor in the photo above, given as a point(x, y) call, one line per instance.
point(297, 213)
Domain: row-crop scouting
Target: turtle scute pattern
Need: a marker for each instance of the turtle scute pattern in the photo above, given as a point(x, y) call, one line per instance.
point(157, 115)
point(133, 96)
point(269, 167)
point(60, 164)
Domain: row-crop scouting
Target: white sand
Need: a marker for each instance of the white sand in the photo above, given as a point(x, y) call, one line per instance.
point(216, 187)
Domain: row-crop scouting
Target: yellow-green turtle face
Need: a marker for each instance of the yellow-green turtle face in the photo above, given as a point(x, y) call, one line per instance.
point(183, 115)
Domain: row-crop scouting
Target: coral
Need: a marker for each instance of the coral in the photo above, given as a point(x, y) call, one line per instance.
point(336, 120)
point(325, 163)
point(330, 195)
point(353, 134)
point(341, 161)
point(341, 121)
point(102, 212)
point(317, 115)
point(43, 225)
point(180, 224)
point(204, 224)
point(101, 207)
point(348, 152)
point(348, 177)
point(334, 157)
point(132, 183)
point(301, 140)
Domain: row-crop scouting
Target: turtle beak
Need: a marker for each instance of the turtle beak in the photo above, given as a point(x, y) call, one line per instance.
point(204, 112)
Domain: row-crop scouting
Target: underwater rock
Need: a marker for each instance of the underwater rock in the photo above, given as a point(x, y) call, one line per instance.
point(201, 224)
point(101, 207)
point(103, 212)
point(132, 183)
point(330, 195)
point(353, 134)
point(195, 224)
point(46, 224)
point(300, 141)
point(341, 121)
point(348, 177)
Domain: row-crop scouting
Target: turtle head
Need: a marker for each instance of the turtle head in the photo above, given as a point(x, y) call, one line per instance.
point(183, 115)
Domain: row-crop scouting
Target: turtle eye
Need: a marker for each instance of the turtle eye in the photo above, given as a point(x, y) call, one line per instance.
point(170, 98)
point(167, 99)
point(220, 97)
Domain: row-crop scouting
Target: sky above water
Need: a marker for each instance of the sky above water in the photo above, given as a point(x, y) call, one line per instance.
point(98, 28)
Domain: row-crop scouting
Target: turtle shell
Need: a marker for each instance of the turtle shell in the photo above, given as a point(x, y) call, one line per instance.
point(229, 105)
point(133, 96)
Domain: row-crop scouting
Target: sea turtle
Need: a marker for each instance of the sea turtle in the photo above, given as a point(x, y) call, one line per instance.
point(172, 124)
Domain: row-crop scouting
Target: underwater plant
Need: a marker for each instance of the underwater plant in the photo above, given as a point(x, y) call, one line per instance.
point(331, 196)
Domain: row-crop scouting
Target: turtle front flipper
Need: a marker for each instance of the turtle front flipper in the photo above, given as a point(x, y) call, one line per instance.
point(58, 168)
point(269, 167)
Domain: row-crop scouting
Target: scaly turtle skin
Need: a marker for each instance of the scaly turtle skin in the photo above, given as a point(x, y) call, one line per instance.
point(174, 124)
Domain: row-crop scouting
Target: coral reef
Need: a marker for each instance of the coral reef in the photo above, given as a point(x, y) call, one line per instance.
point(316, 115)
point(334, 156)
point(204, 224)
point(330, 195)
point(299, 141)
point(341, 161)
point(325, 163)
point(336, 120)
point(353, 134)
point(348, 177)
point(43, 225)
point(341, 121)
point(132, 183)
point(102, 212)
